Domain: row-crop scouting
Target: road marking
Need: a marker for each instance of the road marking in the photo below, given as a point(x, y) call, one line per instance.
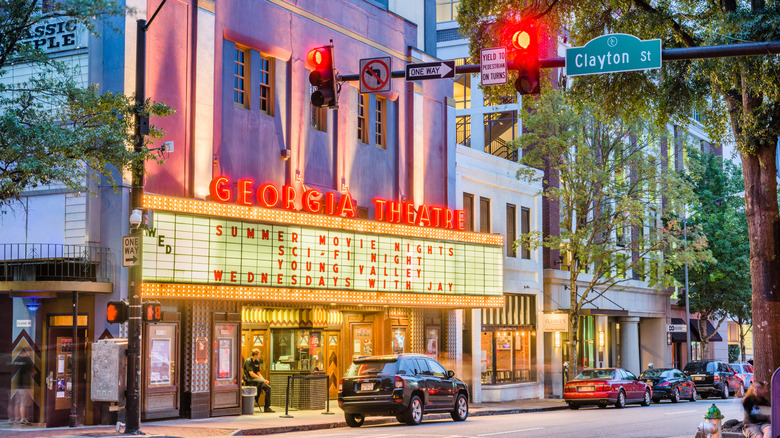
point(510, 431)
point(678, 412)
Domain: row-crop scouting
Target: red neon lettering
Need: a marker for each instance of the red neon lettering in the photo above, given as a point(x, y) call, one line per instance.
point(330, 203)
point(288, 202)
point(219, 193)
point(450, 218)
point(311, 202)
point(394, 212)
point(346, 207)
point(379, 209)
point(423, 219)
point(460, 220)
point(244, 191)
point(407, 216)
point(436, 215)
point(263, 194)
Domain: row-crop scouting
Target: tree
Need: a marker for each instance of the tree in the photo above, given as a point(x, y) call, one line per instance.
point(607, 179)
point(52, 129)
point(721, 287)
point(739, 97)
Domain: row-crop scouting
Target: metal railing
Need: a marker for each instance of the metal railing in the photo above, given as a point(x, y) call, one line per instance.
point(306, 379)
point(54, 262)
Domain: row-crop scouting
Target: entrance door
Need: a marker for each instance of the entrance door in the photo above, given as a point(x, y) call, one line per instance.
point(225, 376)
point(362, 340)
point(61, 352)
point(161, 388)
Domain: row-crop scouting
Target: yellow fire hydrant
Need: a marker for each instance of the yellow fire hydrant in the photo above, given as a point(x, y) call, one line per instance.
point(712, 422)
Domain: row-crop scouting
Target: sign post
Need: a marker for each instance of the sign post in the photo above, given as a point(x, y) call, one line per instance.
point(493, 70)
point(613, 53)
point(430, 70)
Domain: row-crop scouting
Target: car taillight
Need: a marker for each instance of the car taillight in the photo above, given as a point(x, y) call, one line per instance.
point(716, 379)
point(568, 388)
point(400, 383)
point(663, 384)
point(341, 385)
point(603, 388)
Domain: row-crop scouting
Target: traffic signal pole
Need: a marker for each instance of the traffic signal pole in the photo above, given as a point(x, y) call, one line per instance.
point(703, 52)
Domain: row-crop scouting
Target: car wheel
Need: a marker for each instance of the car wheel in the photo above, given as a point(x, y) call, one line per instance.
point(400, 418)
point(621, 400)
point(414, 413)
point(354, 420)
point(725, 393)
point(646, 399)
point(461, 411)
point(676, 395)
point(573, 406)
point(693, 394)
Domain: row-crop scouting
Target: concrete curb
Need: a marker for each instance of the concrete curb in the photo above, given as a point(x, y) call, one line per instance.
point(387, 420)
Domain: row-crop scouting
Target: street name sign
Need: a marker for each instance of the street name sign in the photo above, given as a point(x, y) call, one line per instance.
point(375, 75)
point(613, 53)
point(430, 70)
point(130, 250)
point(492, 66)
point(676, 328)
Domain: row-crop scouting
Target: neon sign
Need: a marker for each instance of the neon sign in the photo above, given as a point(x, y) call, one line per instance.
point(269, 195)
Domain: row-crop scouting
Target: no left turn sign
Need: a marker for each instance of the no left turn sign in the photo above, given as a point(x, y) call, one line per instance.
point(374, 75)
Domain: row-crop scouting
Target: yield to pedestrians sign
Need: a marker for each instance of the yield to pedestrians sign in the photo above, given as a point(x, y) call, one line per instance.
point(374, 75)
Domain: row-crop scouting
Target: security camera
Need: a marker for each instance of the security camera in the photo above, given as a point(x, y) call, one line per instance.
point(168, 146)
point(136, 218)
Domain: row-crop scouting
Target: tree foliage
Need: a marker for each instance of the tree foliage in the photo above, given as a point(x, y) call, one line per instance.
point(738, 97)
point(719, 288)
point(55, 130)
point(606, 179)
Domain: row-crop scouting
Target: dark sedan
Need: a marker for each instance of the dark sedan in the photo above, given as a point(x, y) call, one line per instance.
point(606, 386)
point(405, 386)
point(669, 383)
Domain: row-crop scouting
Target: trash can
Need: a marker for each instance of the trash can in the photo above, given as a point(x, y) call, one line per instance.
point(248, 394)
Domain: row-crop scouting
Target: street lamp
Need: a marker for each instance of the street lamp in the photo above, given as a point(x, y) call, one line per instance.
point(687, 295)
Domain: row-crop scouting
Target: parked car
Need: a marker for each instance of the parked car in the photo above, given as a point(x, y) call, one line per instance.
point(745, 372)
point(669, 383)
point(713, 377)
point(606, 386)
point(406, 386)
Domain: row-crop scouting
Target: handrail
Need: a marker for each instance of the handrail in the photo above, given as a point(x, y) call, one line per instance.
point(54, 262)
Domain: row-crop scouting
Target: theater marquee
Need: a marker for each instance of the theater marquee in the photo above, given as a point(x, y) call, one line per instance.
point(241, 249)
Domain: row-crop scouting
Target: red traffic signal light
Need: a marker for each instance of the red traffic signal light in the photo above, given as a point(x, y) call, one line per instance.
point(322, 77)
point(522, 42)
point(116, 312)
point(151, 311)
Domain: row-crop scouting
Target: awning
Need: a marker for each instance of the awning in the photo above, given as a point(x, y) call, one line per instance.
point(695, 336)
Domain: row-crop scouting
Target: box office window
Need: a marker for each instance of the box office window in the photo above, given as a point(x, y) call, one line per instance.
point(296, 350)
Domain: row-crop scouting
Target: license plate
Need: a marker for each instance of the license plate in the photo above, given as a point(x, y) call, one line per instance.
point(698, 377)
point(586, 388)
point(366, 386)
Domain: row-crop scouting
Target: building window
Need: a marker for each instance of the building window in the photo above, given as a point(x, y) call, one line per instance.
point(447, 10)
point(362, 127)
point(511, 230)
point(319, 117)
point(508, 341)
point(463, 130)
point(484, 215)
point(240, 77)
point(468, 211)
point(380, 123)
point(525, 228)
point(500, 129)
point(462, 91)
point(266, 85)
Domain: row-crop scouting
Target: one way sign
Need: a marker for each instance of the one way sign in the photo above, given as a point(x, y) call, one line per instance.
point(430, 70)
point(130, 250)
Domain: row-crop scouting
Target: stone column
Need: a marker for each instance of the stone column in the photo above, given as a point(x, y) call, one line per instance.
point(629, 343)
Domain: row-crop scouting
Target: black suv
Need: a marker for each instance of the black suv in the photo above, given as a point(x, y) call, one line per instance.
point(405, 386)
point(713, 377)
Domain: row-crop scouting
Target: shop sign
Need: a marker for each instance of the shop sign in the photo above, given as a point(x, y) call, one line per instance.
point(555, 322)
point(269, 195)
point(56, 35)
point(185, 248)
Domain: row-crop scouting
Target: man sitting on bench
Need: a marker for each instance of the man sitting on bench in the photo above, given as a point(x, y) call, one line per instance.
point(252, 377)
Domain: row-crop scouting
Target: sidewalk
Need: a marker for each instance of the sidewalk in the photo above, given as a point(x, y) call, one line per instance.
point(261, 423)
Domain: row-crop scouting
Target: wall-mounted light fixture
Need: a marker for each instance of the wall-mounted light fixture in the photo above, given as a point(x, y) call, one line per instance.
point(601, 338)
point(557, 339)
point(32, 304)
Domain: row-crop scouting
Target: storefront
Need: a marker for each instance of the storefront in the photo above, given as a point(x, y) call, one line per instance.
point(311, 291)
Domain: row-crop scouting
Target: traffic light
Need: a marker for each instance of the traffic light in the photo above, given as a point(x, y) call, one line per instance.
point(151, 311)
point(522, 42)
point(322, 77)
point(116, 312)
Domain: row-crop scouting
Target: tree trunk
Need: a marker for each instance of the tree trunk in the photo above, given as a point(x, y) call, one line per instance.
point(574, 319)
point(759, 174)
